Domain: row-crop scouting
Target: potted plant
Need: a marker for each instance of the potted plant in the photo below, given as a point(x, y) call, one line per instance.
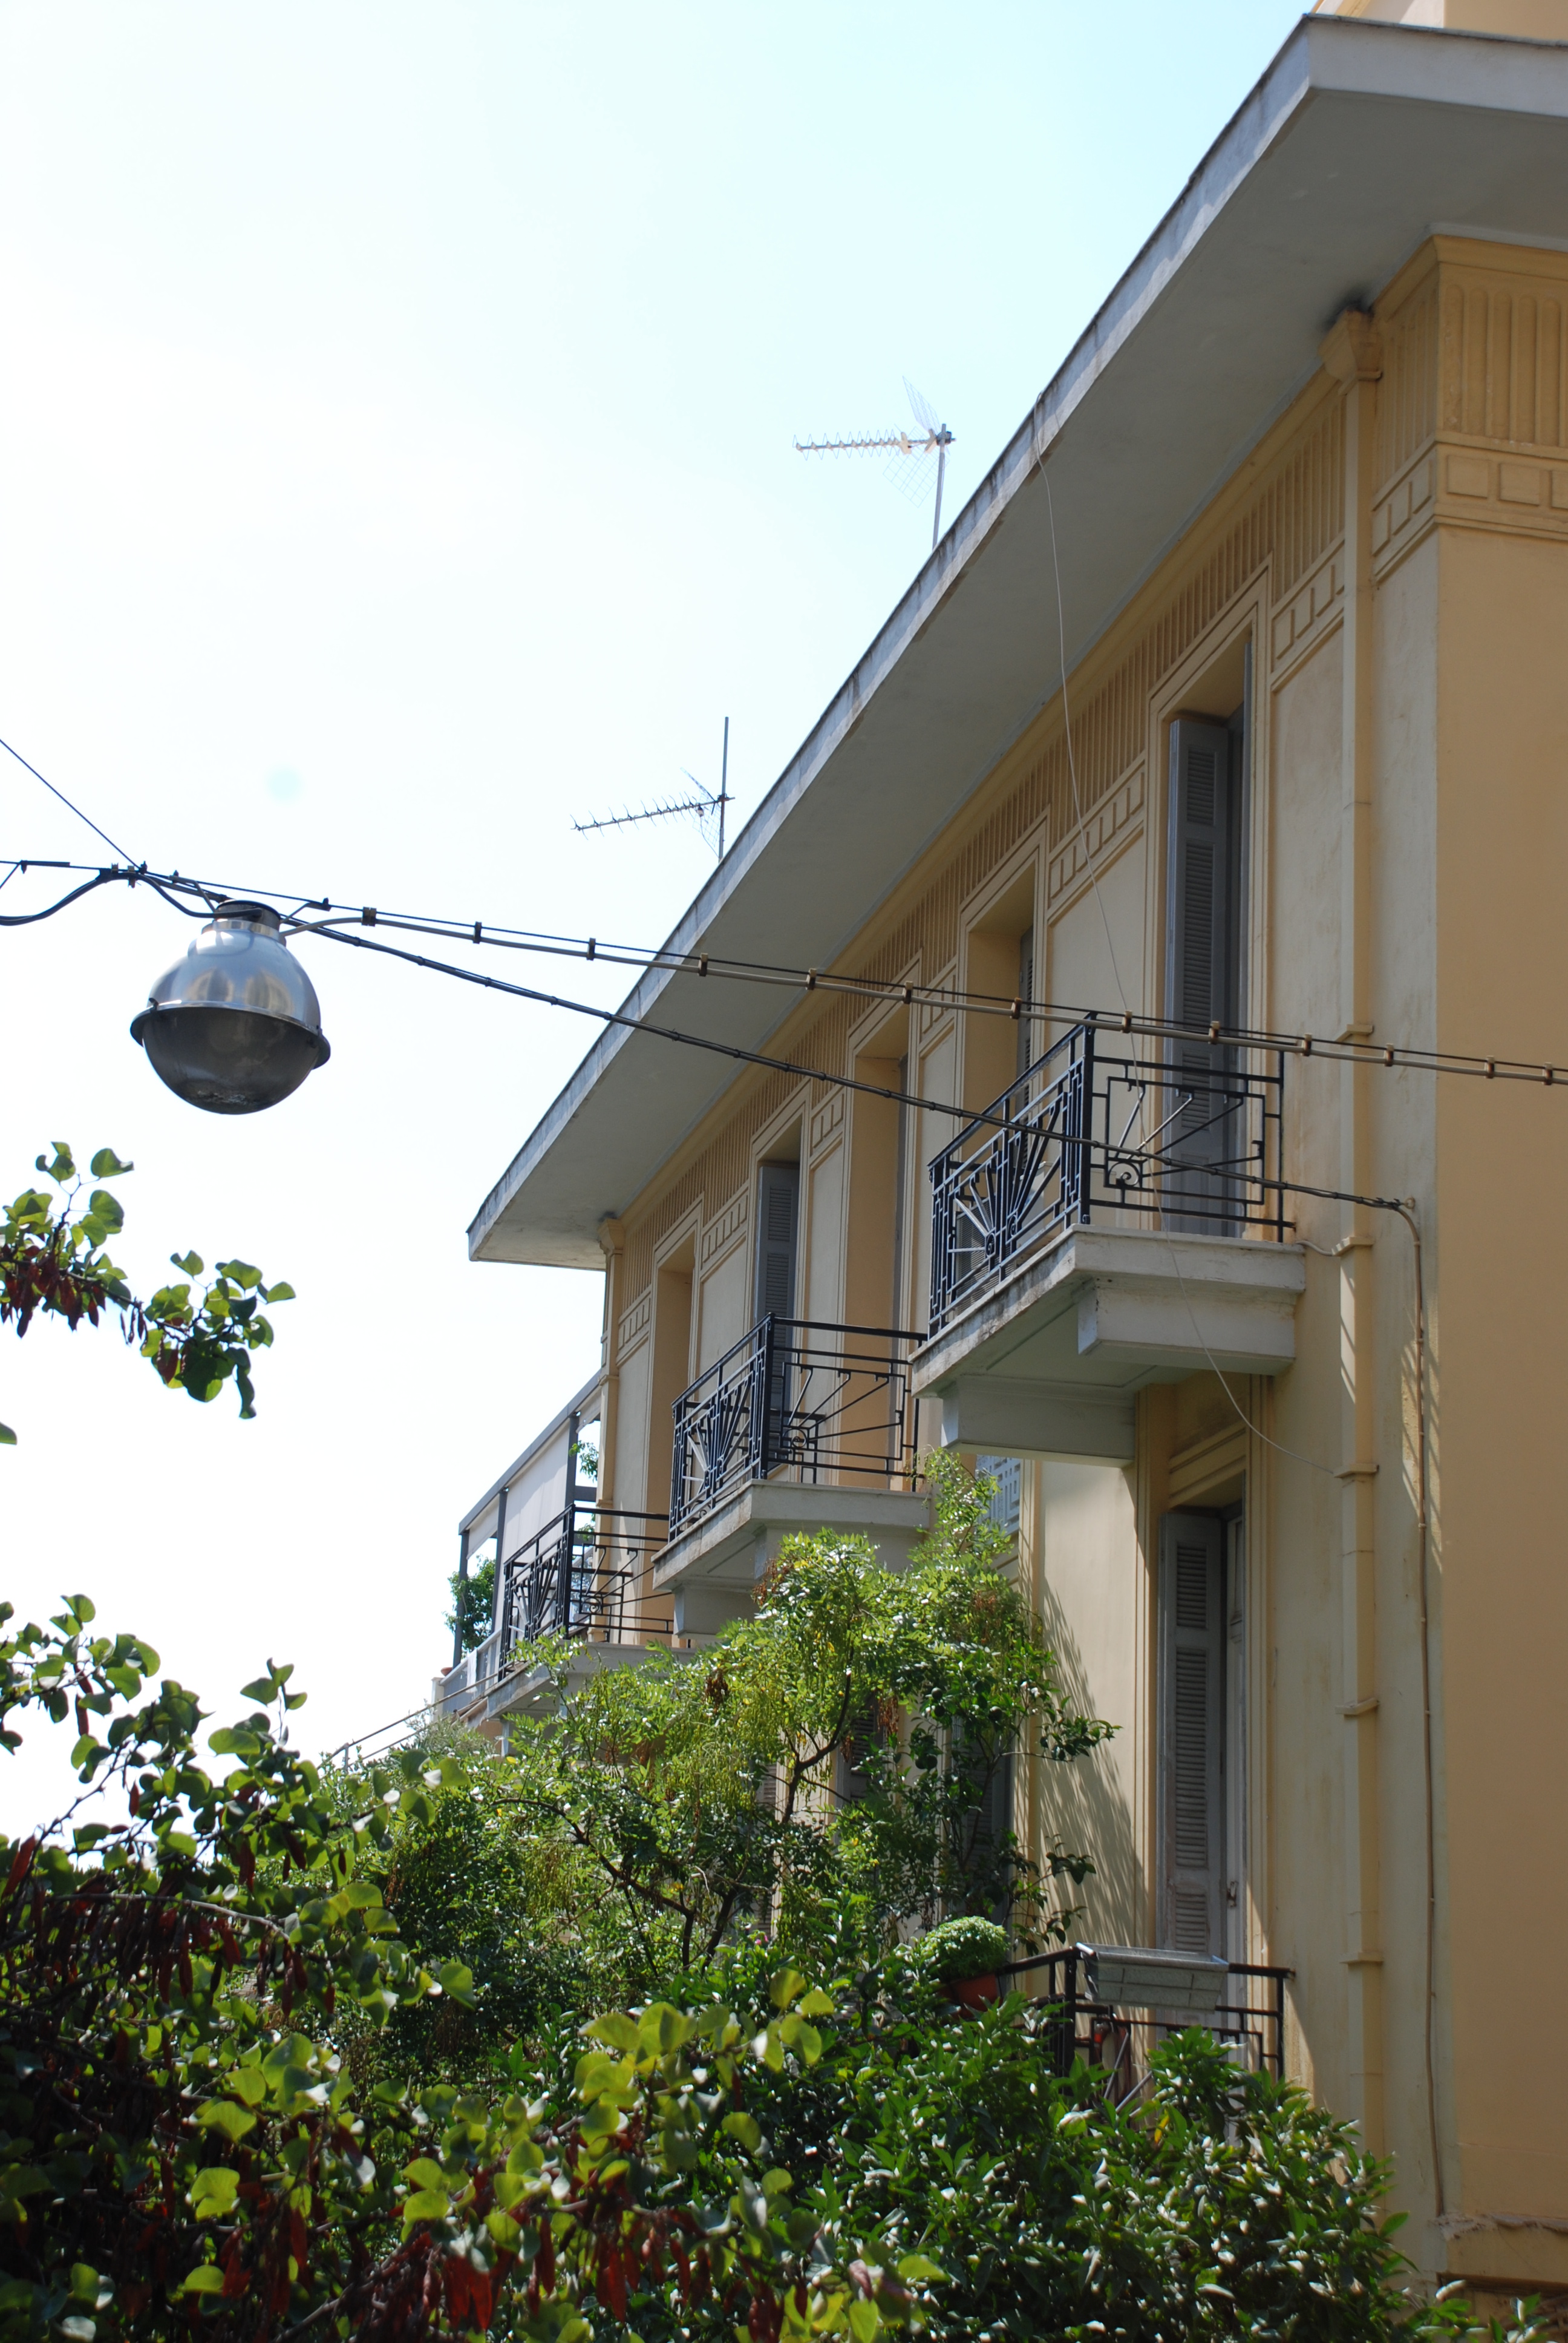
point(963, 1955)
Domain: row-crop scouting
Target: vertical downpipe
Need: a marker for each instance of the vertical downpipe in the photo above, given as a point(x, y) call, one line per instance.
point(1353, 355)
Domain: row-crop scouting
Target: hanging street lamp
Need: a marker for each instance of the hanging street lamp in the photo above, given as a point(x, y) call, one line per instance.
point(235, 1026)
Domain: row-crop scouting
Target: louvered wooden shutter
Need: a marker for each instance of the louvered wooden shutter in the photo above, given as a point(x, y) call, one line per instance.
point(1202, 964)
point(778, 1218)
point(1201, 937)
point(1026, 1049)
point(1191, 1733)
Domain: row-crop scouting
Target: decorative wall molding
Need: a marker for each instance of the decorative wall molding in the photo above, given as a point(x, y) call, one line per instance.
point(825, 1122)
point(1469, 487)
point(1101, 827)
point(635, 1322)
point(1301, 620)
point(1473, 406)
point(719, 1233)
point(933, 1011)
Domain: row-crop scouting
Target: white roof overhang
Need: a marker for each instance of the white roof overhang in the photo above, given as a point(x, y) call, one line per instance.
point(1361, 140)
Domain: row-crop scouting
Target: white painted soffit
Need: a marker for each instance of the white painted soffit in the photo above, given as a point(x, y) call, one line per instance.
point(1358, 140)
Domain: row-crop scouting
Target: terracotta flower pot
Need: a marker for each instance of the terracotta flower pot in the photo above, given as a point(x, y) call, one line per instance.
point(973, 1993)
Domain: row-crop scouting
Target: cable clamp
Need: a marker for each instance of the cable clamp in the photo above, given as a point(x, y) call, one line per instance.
point(1356, 1472)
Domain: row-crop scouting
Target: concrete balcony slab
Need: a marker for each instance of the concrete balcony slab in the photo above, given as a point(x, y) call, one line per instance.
point(712, 1569)
point(1046, 1362)
point(531, 1692)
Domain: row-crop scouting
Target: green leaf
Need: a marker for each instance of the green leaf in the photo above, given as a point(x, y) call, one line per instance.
point(785, 1987)
point(920, 2269)
point(8, 1437)
point(598, 2077)
point(279, 1293)
point(745, 2129)
point(213, 2192)
point(221, 2115)
point(864, 2321)
point(662, 2029)
point(458, 1980)
point(803, 2040)
point(206, 2279)
point(191, 1263)
point(263, 1689)
point(62, 1169)
point(105, 1209)
point(817, 2003)
point(616, 2028)
point(105, 1164)
point(428, 2205)
point(425, 2173)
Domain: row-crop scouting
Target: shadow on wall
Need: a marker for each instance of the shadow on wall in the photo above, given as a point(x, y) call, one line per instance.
point(1084, 1805)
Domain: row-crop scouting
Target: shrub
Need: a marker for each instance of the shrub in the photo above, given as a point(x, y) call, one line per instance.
point(968, 1946)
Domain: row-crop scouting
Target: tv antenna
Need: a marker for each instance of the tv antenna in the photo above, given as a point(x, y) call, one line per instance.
point(909, 451)
point(705, 805)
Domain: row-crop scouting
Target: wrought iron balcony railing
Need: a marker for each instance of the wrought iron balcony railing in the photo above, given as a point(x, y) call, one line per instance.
point(1248, 2019)
point(581, 1575)
point(816, 1403)
point(1182, 1134)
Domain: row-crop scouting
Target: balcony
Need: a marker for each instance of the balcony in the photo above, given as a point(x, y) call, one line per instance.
point(799, 1425)
point(582, 1575)
point(1114, 1219)
point(1115, 2003)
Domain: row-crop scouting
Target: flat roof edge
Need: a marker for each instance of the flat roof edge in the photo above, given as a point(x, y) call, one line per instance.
point(1418, 63)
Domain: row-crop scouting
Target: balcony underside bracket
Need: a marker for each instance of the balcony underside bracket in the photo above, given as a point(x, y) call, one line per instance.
point(1064, 1425)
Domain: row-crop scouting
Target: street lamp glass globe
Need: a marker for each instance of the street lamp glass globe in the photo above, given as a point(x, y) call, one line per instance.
point(235, 1026)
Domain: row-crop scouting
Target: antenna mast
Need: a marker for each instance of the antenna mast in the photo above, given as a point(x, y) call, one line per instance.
point(704, 806)
point(909, 451)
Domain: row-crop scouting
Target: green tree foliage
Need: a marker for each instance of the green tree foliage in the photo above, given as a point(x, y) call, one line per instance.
point(663, 1810)
point(185, 2148)
point(473, 1604)
point(54, 1263)
point(1218, 2204)
point(190, 2142)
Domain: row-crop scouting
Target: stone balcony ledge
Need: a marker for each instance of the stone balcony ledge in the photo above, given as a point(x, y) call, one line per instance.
point(1047, 1362)
point(713, 1568)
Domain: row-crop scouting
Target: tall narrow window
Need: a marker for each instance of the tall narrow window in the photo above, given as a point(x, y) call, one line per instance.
point(1235, 1750)
point(1191, 1812)
point(778, 1222)
point(1203, 963)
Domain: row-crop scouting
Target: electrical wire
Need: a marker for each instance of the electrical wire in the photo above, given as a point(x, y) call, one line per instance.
point(65, 800)
point(1336, 1049)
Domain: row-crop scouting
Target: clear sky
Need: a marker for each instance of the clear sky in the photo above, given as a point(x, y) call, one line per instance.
point(396, 422)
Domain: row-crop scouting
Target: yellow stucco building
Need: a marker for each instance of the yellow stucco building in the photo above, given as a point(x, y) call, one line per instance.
point(1288, 759)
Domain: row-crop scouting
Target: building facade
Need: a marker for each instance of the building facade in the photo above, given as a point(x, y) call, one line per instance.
point(1099, 1131)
